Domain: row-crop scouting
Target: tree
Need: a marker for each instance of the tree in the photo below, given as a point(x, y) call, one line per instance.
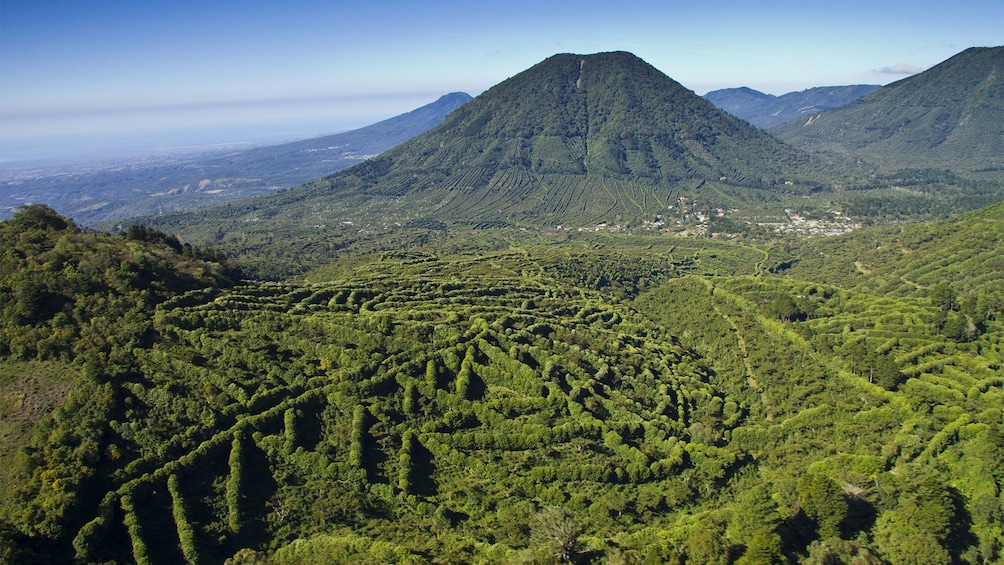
point(289, 425)
point(707, 544)
point(431, 374)
point(406, 466)
point(916, 530)
point(39, 217)
point(941, 297)
point(763, 549)
point(409, 402)
point(235, 482)
point(885, 372)
point(903, 545)
point(186, 534)
point(557, 529)
point(754, 511)
point(823, 501)
point(784, 308)
point(358, 441)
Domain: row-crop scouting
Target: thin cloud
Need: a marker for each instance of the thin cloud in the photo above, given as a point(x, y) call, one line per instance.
point(901, 69)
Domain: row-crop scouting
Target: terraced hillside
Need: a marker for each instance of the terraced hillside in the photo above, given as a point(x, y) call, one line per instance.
point(489, 400)
point(601, 141)
point(278, 411)
point(576, 140)
point(962, 253)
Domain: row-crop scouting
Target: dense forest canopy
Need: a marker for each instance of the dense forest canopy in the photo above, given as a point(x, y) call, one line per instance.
point(498, 397)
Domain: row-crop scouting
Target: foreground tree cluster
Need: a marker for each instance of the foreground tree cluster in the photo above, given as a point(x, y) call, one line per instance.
point(490, 399)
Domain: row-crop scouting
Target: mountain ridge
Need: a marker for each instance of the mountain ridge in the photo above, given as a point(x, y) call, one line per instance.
point(767, 111)
point(576, 140)
point(601, 141)
point(947, 116)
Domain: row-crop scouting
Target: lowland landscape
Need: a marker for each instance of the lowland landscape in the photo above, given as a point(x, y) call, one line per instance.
point(584, 317)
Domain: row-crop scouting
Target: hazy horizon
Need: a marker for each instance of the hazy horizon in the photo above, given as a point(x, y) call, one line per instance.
point(107, 76)
point(169, 128)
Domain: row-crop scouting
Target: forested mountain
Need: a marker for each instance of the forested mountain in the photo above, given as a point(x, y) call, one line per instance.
point(600, 141)
point(766, 110)
point(577, 140)
point(100, 193)
point(946, 117)
point(506, 397)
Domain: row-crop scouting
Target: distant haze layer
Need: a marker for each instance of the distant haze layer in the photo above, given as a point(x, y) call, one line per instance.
point(87, 133)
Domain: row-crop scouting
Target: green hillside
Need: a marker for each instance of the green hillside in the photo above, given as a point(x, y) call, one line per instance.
point(947, 117)
point(453, 378)
point(498, 398)
point(910, 259)
point(575, 141)
point(580, 142)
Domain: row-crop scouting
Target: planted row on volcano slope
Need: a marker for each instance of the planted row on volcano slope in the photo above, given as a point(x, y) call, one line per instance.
point(574, 141)
point(956, 265)
point(861, 389)
point(274, 412)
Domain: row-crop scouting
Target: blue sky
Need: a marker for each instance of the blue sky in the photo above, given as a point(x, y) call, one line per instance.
point(100, 75)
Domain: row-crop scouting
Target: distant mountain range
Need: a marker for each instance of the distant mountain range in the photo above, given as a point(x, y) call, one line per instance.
point(949, 116)
point(149, 187)
point(574, 141)
point(601, 141)
point(766, 110)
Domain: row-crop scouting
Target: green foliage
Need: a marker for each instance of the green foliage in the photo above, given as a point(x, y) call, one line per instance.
point(62, 286)
point(755, 512)
point(344, 547)
point(707, 544)
point(236, 483)
point(38, 217)
point(946, 116)
point(186, 533)
point(357, 453)
point(557, 530)
point(482, 401)
point(763, 549)
point(822, 500)
point(598, 142)
point(140, 550)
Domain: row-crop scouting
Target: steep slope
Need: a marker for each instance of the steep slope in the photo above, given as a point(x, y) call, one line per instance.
point(609, 115)
point(767, 111)
point(577, 140)
point(949, 116)
point(96, 194)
